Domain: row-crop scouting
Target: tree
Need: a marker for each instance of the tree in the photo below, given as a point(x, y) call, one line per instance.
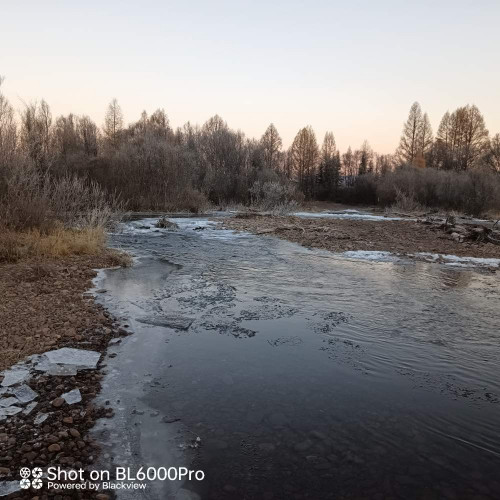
point(425, 139)
point(365, 155)
point(88, 135)
point(410, 139)
point(462, 139)
point(36, 134)
point(471, 136)
point(271, 143)
point(349, 167)
point(329, 166)
point(113, 122)
point(492, 158)
point(8, 130)
point(304, 154)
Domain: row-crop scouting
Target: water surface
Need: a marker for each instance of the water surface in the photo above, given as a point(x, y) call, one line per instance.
point(306, 374)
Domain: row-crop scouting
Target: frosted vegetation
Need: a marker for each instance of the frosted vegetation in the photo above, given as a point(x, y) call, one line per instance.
point(68, 170)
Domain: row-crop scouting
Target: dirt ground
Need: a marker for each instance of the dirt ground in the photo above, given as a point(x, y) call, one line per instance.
point(340, 235)
point(43, 307)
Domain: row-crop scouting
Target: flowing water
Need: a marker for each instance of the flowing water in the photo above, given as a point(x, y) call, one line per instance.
point(305, 374)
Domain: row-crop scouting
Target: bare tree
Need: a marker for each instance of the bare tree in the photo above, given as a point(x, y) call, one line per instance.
point(88, 135)
point(36, 134)
point(271, 143)
point(425, 136)
point(8, 130)
point(304, 159)
point(329, 168)
point(113, 122)
point(462, 139)
point(409, 142)
point(365, 158)
point(492, 158)
point(349, 167)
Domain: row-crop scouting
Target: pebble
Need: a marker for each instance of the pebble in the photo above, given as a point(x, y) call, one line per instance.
point(58, 402)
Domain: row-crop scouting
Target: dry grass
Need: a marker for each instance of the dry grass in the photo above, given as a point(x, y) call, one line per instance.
point(58, 242)
point(119, 258)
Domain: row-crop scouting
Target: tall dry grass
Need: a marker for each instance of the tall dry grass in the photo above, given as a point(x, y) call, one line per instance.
point(46, 216)
point(57, 242)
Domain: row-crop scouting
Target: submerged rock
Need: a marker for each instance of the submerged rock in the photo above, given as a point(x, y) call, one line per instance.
point(164, 223)
point(170, 321)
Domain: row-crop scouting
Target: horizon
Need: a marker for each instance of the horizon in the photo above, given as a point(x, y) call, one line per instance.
point(252, 70)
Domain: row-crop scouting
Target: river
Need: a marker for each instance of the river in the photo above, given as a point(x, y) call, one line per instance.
point(304, 374)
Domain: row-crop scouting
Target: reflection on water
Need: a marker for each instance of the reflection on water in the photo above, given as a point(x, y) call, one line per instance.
point(308, 375)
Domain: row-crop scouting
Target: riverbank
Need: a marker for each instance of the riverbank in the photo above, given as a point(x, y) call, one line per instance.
point(47, 412)
point(343, 235)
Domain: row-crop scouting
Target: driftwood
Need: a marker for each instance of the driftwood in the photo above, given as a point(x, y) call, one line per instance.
point(478, 233)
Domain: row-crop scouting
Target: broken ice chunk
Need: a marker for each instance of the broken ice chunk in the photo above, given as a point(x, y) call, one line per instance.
point(14, 376)
point(79, 358)
point(24, 393)
point(5, 402)
point(72, 397)
point(9, 487)
point(9, 411)
point(30, 408)
point(40, 418)
point(67, 361)
point(61, 370)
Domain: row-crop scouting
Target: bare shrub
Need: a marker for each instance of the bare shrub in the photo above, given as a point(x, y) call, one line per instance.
point(33, 199)
point(274, 196)
point(474, 191)
point(406, 202)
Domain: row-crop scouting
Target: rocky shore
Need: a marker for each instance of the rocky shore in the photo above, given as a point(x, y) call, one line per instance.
point(53, 338)
point(403, 237)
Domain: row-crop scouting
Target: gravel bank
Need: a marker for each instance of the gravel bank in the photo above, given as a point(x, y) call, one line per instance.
point(44, 307)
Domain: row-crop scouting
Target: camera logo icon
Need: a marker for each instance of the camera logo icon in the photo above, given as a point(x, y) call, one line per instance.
point(26, 482)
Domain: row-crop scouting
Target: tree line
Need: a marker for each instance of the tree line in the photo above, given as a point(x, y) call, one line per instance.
point(151, 165)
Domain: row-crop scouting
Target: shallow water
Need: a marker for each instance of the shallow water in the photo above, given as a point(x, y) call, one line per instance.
point(305, 374)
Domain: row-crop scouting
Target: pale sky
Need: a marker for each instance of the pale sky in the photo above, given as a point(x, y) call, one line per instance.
point(352, 67)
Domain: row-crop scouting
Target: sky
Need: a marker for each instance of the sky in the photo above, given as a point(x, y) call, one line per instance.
point(352, 67)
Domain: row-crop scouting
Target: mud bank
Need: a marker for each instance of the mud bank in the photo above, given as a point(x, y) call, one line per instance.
point(346, 235)
point(46, 416)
